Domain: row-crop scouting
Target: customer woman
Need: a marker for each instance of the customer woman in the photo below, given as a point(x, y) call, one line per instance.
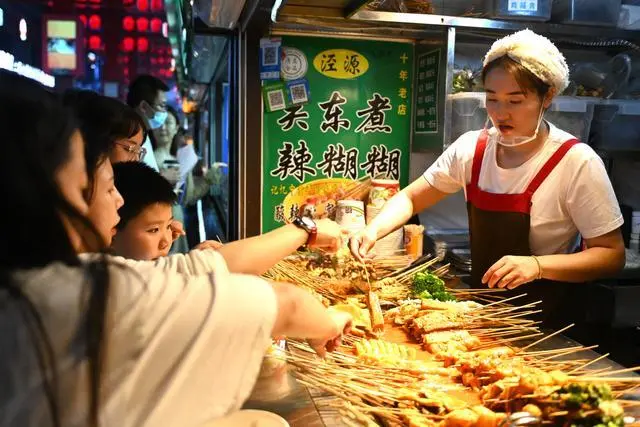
point(531, 188)
point(96, 343)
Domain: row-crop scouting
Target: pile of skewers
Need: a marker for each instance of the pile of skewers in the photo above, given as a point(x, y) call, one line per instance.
point(460, 366)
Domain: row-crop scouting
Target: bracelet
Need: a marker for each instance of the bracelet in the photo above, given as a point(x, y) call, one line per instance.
point(539, 267)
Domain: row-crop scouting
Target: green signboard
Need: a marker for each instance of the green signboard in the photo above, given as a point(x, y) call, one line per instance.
point(357, 120)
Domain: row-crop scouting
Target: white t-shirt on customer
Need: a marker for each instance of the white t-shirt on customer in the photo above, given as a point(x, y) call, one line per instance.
point(186, 340)
point(576, 198)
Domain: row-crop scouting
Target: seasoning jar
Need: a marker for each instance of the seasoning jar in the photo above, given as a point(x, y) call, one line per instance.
point(382, 190)
point(350, 215)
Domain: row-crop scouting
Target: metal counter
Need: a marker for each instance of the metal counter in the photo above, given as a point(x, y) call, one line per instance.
point(303, 407)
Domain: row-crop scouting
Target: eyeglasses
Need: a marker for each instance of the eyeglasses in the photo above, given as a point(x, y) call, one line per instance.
point(133, 148)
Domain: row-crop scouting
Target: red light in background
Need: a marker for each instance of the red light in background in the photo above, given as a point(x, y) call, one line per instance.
point(156, 25)
point(83, 19)
point(157, 5)
point(128, 23)
point(143, 5)
point(143, 44)
point(142, 24)
point(95, 42)
point(128, 44)
point(95, 22)
point(128, 3)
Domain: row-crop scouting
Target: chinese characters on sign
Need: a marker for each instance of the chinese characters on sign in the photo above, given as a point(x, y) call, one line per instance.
point(426, 110)
point(336, 159)
point(294, 163)
point(523, 6)
point(332, 117)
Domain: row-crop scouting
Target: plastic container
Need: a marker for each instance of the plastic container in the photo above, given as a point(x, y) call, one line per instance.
point(382, 190)
point(525, 10)
point(616, 125)
point(572, 114)
point(586, 12)
point(468, 112)
point(350, 215)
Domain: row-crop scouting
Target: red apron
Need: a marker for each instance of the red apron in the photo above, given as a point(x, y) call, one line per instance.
point(499, 226)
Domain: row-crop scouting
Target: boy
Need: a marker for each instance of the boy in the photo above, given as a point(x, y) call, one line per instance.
point(144, 231)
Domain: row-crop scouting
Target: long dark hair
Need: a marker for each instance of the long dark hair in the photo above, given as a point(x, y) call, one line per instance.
point(36, 133)
point(103, 121)
point(173, 149)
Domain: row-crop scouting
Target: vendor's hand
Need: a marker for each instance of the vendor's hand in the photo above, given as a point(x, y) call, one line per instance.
point(209, 244)
point(512, 271)
point(329, 237)
point(362, 242)
point(176, 230)
point(343, 323)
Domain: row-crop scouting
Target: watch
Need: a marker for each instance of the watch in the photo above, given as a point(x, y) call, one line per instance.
point(308, 225)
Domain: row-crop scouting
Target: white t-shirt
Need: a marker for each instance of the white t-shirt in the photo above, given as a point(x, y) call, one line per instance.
point(184, 347)
point(577, 197)
point(150, 158)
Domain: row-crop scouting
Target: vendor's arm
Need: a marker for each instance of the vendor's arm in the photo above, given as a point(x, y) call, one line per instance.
point(604, 256)
point(594, 209)
point(415, 198)
point(446, 176)
point(256, 255)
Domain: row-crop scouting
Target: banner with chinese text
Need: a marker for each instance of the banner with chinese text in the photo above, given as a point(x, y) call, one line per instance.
point(357, 121)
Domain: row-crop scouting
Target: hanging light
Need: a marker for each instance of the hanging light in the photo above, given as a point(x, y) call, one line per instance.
point(143, 44)
point(156, 25)
point(95, 22)
point(128, 44)
point(22, 27)
point(143, 5)
point(95, 42)
point(128, 23)
point(142, 24)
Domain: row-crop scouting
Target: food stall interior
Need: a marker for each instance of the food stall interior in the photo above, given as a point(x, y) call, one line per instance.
point(220, 67)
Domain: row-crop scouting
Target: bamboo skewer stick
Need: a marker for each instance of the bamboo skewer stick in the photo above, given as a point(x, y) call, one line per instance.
point(508, 340)
point(580, 368)
point(562, 352)
point(618, 371)
point(547, 337)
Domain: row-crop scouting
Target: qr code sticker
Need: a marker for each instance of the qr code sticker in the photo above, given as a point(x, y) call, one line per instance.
point(276, 100)
point(299, 94)
point(270, 56)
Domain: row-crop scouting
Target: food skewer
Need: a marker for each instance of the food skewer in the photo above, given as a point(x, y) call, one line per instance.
point(547, 337)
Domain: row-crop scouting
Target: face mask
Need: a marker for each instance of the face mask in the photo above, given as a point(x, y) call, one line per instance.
point(510, 140)
point(158, 119)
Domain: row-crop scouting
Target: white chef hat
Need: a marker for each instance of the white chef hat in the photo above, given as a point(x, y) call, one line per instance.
point(536, 53)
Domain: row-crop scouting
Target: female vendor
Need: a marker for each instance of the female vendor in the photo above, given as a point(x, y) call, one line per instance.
point(532, 189)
